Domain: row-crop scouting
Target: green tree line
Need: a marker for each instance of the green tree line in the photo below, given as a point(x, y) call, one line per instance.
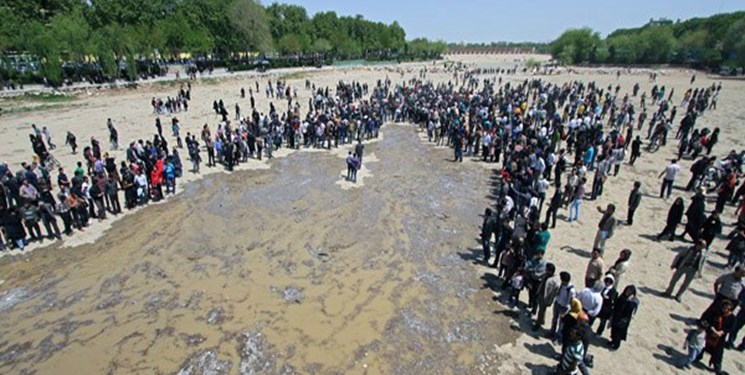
point(706, 42)
point(111, 31)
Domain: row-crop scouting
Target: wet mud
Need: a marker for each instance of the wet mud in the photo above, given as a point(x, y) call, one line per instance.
point(274, 271)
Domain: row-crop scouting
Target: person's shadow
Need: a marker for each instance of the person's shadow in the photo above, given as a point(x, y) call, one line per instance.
point(536, 369)
point(651, 237)
point(474, 255)
point(685, 319)
point(491, 281)
point(654, 292)
point(546, 350)
point(574, 250)
point(671, 355)
point(707, 295)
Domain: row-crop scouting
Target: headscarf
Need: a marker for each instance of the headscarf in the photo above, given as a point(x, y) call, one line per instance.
point(607, 289)
point(575, 308)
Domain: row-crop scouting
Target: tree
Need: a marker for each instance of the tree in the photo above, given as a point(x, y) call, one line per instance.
point(249, 19)
point(734, 42)
point(321, 45)
point(575, 46)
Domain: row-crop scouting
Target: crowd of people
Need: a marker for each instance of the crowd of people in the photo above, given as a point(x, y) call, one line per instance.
point(572, 137)
point(575, 137)
point(151, 168)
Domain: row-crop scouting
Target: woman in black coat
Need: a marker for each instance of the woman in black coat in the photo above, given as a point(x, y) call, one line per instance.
point(711, 228)
point(11, 221)
point(674, 217)
point(610, 295)
point(623, 309)
point(696, 216)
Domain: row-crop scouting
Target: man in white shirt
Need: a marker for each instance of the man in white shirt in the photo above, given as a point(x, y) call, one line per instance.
point(670, 172)
point(592, 300)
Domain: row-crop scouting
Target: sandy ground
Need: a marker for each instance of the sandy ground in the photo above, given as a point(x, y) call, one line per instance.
point(131, 295)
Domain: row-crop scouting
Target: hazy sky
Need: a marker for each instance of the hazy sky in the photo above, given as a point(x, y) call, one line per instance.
point(516, 20)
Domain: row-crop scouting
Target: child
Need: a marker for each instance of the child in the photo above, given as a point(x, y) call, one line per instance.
point(694, 343)
point(516, 284)
point(508, 258)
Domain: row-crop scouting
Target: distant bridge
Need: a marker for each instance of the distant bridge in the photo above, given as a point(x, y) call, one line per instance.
point(491, 51)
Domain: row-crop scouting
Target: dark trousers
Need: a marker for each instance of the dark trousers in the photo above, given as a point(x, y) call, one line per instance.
point(116, 207)
point(633, 159)
point(630, 216)
point(210, 157)
point(667, 186)
point(486, 243)
point(551, 214)
point(52, 228)
point(33, 229)
point(67, 220)
point(101, 208)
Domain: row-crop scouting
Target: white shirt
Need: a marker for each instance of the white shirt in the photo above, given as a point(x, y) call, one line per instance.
point(671, 171)
point(141, 180)
point(542, 185)
point(592, 302)
point(507, 207)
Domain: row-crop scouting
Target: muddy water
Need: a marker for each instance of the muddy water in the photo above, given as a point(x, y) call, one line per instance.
point(274, 271)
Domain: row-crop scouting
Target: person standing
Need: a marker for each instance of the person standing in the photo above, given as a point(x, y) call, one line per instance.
point(562, 302)
point(670, 172)
point(534, 273)
point(623, 310)
point(359, 149)
point(635, 198)
point(736, 248)
point(601, 173)
point(579, 193)
point(609, 295)
point(48, 137)
point(696, 215)
point(350, 169)
point(112, 195)
point(620, 267)
point(720, 320)
point(488, 227)
point(636, 147)
point(595, 268)
point(606, 227)
point(674, 217)
point(47, 213)
point(547, 292)
point(113, 134)
point(592, 300)
point(572, 353)
point(30, 214)
point(728, 288)
point(739, 323)
point(686, 264)
point(711, 228)
point(71, 141)
point(553, 207)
